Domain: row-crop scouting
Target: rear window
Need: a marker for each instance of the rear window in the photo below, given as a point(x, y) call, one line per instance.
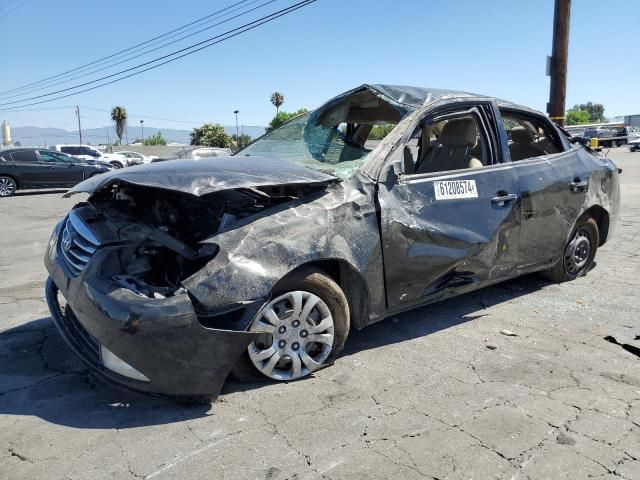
point(69, 150)
point(24, 156)
point(89, 151)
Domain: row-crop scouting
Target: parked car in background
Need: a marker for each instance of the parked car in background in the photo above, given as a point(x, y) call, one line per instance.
point(613, 135)
point(25, 168)
point(208, 152)
point(87, 152)
point(634, 140)
point(136, 158)
point(179, 272)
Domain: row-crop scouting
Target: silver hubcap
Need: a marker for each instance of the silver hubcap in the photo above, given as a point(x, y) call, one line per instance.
point(297, 336)
point(577, 252)
point(7, 187)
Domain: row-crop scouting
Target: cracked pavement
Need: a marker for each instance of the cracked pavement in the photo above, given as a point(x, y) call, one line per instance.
point(438, 392)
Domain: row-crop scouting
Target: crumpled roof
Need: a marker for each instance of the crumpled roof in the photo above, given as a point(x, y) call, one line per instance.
point(417, 96)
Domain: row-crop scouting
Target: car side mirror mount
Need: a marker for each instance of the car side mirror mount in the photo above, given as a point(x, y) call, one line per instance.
point(397, 169)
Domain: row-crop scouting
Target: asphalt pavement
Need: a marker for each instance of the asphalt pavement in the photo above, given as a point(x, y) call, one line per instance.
point(515, 381)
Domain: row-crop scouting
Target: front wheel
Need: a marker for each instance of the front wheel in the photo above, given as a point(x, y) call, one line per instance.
point(302, 329)
point(116, 165)
point(7, 186)
point(579, 252)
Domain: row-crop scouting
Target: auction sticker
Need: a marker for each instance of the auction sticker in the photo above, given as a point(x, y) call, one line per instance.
point(452, 189)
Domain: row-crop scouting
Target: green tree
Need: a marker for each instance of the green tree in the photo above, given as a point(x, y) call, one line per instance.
point(119, 117)
point(596, 111)
point(577, 117)
point(283, 117)
point(242, 141)
point(378, 132)
point(277, 99)
point(156, 139)
point(210, 135)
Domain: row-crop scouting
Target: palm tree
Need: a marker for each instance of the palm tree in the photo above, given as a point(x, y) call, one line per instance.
point(277, 99)
point(119, 116)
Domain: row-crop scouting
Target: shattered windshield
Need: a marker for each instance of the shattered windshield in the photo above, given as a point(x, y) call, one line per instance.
point(306, 143)
point(333, 138)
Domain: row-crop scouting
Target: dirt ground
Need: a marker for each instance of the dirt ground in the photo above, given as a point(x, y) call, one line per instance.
point(438, 392)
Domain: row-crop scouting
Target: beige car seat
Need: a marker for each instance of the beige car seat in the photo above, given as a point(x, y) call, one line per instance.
point(452, 152)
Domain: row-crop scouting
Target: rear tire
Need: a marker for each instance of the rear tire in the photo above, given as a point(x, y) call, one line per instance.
point(288, 350)
point(8, 186)
point(579, 252)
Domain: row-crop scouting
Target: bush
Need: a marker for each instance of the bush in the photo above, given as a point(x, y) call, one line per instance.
point(210, 135)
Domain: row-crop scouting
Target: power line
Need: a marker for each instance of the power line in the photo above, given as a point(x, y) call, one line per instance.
point(210, 41)
point(149, 117)
point(8, 5)
point(13, 9)
point(41, 109)
point(201, 46)
point(113, 63)
point(130, 114)
point(125, 50)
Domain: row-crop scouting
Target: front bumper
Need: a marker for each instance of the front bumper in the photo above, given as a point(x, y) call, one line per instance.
point(161, 338)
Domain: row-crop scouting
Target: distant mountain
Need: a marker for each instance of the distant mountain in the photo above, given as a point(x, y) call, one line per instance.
point(37, 136)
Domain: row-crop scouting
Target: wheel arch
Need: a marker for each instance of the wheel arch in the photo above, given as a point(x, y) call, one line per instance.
point(601, 216)
point(12, 178)
point(350, 281)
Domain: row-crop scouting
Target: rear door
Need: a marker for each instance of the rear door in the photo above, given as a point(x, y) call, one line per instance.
point(449, 231)
point(554, 183)
point(60, 170)
point(24, 167)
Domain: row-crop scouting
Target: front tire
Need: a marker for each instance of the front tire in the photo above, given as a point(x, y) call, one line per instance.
point(116, 165)
point(579, 252)
point(303, 329)
point(8, 186)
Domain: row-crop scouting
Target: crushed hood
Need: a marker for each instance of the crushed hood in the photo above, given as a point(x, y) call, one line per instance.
point(208, 175)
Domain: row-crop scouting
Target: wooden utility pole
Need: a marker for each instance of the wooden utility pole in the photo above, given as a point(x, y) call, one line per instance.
point(79, 126)
point(558, 63)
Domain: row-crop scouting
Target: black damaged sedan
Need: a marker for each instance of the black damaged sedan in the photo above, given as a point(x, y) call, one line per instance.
point(173, 275)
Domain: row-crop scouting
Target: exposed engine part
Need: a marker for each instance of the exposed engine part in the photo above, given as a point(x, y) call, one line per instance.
point(162, 230)
point(188, 218)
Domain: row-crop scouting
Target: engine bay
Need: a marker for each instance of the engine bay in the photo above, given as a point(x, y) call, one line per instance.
point(162, 231)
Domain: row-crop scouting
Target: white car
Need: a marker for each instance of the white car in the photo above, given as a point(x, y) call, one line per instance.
point(86, 152)
point(135, 158)
point(207, 152)
point(634, 142)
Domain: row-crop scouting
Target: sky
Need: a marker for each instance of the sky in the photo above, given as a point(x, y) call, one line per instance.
point(496, 47)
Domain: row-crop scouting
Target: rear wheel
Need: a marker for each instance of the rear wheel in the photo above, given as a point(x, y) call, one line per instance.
point(579, 252)
point(302, 329)
point(7, 186)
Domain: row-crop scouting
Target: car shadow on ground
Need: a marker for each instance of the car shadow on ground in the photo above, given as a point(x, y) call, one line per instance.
point(42, 377)
point(426, 320)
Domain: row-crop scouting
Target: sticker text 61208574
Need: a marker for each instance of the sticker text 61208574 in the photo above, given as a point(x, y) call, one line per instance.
point(451, 189)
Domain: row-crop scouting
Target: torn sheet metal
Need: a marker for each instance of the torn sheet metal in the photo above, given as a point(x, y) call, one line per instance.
point(208, 175)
